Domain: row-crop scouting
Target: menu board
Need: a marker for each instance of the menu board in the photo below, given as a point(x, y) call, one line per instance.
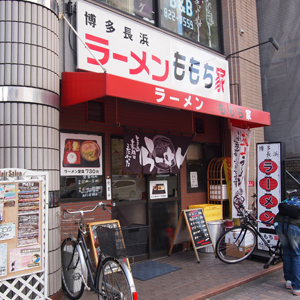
point(192, 227)
point(198, 227)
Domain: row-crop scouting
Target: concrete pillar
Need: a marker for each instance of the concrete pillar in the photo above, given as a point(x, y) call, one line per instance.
point(29, 101)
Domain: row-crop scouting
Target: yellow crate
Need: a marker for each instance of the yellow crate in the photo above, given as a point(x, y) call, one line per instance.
point(212, 212)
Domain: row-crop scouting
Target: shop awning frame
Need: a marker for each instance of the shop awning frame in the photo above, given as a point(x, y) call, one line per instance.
point(79, 87)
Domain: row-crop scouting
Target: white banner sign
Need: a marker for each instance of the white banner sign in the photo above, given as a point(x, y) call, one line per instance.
point(131, 50)
point(269, 192)
point(240, 148)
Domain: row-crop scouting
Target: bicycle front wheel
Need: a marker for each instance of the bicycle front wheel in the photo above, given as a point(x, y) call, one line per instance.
point(71, 269)
point(236, 244)
point(112, 281)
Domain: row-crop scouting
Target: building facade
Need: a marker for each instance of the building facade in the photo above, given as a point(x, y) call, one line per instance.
point(149, 84)
point(280, 81)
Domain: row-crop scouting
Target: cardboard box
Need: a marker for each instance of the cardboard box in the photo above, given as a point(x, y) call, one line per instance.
point(212, 212)
point(237, 252)
point(232, 236)
point(243, 248)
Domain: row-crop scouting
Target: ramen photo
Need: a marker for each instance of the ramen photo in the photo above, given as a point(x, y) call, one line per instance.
point(90, 150)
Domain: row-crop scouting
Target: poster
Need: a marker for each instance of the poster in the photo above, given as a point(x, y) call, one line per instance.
point(7, 231)
point(3, 260)
point(8, 193)
point(28, 213)
point(108, 189)
point(239, 158)
point(194, 179)
point(24, 258)
point(81, 154)
point(158, 189)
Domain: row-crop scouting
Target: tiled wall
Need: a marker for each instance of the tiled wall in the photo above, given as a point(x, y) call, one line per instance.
point(244, 68)
point(29, 100)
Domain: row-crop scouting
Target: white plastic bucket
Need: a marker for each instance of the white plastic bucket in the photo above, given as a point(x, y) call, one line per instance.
point(216, 229)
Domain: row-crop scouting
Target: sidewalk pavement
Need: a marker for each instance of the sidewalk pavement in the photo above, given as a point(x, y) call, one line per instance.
point(269, 287)
point(197, 281)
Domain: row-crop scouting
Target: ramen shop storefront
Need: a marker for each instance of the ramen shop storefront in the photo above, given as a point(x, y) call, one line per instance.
point(130, 125)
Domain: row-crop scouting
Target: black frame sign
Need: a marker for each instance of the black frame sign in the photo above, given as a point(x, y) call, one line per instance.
point(192, 227)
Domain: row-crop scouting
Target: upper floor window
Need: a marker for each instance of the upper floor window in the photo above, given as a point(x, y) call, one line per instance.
point(143, 9)
point(196, 20)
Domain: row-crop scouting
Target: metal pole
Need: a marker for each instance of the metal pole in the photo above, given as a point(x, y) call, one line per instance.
point(62, 16)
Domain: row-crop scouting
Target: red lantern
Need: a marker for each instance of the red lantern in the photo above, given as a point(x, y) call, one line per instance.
point(268, 166)
point(268, 183)
point(268, 201)
point(267, 216)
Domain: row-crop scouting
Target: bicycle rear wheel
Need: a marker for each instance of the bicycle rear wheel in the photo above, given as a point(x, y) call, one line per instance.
point(71, 269)
point(112, 281)
point(236, 244)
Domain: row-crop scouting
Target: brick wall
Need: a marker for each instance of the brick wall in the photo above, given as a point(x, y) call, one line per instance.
point(244, 68)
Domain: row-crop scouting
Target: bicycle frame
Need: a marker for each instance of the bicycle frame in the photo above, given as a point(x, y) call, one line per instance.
point(87, 265)
point(272, 251)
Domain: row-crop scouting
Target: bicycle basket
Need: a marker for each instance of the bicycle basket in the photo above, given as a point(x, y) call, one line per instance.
point(123, 242)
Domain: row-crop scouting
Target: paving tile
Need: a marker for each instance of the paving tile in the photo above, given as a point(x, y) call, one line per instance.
point(197, 281)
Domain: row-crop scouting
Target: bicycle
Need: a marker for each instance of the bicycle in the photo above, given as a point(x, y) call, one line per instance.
point(239, 242)
point(112, 278)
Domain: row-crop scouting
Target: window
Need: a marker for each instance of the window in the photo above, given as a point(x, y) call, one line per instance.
point(198, 158)
point(199, 126)
point(143, 9)
point(81, 187)
point(95, 111)
point(125, 187)
point(195, 168)
point(195, 20)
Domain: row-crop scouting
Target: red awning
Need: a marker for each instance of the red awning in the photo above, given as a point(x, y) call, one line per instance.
point(78, 87)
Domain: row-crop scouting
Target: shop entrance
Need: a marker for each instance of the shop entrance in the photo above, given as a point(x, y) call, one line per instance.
point(153, 200)
point(162, 212)
point(157, 205)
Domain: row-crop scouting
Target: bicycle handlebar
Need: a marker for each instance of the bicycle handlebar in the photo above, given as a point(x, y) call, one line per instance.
point(102, 204)
point(246, 214)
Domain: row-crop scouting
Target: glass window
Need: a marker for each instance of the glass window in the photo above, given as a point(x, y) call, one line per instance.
point(196, 20)
point(196, 173)
point(124, 186)
point(197, 160)
point(81, 187)
point(143, 9)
